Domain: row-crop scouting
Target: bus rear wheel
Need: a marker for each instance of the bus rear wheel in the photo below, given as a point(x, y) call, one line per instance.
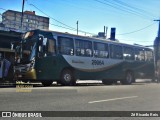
point(128, 79)
point(67, 78)
point(47, 83)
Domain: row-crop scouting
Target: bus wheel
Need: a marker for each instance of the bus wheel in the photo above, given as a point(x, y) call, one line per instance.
point(107, 82)
point(47, 83)
point(128, 79)
point(67, 78)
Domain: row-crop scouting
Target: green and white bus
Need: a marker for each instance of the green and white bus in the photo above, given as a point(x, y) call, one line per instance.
point(48, 56)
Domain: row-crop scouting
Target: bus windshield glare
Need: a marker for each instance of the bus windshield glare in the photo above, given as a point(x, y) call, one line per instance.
point(25, 51)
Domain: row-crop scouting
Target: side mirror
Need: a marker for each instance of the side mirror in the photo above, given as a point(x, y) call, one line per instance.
point(40, 41)
point(40, 46)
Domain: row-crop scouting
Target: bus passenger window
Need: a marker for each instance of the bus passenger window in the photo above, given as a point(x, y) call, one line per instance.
point(128, 53)
point(83, 48)
point(100, 50)
point(83, 52)
point(88, 52)
point(139, 55)
point(149, 55)
point(51, 48)
point(66, 46)
point(116, 52)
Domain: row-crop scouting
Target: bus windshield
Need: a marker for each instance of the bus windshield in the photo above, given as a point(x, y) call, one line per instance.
point(25, 51)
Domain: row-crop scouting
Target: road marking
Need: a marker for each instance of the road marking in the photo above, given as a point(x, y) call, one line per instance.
point(112, 99)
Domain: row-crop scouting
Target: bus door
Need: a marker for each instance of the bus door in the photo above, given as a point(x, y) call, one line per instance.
point(45, 62)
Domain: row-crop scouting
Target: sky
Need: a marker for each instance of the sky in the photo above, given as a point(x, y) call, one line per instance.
point(133, 19)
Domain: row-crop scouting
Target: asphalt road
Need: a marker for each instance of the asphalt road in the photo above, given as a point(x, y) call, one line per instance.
point(141, 96)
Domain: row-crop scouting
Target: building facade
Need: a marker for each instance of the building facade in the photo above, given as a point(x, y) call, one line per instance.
point(12, 21)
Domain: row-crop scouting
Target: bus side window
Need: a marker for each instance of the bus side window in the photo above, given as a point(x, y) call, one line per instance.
point(116, 52)
point(51, 47)
point(83, 48)
point(66, 46)
point(149, 55)
point(139, 55)
point(128, 53)
point(100, 50)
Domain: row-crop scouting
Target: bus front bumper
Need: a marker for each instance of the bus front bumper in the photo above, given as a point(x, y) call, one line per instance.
point(28, 75)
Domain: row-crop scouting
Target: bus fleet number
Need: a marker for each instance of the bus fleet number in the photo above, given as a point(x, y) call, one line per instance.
point(97, 62)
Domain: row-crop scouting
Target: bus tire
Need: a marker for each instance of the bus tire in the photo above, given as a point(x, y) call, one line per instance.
point(67, 78)
point(107, 82)
point(129, 79)
point(47, 83)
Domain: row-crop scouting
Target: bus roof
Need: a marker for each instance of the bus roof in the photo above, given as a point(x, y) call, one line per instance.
point(90, 38)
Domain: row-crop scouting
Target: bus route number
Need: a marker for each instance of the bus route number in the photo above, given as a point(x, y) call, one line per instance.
point(97, 62)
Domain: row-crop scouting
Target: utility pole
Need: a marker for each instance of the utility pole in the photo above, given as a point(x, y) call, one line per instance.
point(156, 53)
point(158, 28)
point(22, 15)
point(77, 27)
point(21, 55)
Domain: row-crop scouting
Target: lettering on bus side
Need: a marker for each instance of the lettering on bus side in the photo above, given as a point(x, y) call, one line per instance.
point(97, 62)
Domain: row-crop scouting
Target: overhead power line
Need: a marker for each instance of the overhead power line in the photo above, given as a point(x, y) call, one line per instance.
point(52, 17)
point(113, 6)
point(134, 8)
point(126, 10)
point(62, 26)
point(137, 30)
point(67, 26)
